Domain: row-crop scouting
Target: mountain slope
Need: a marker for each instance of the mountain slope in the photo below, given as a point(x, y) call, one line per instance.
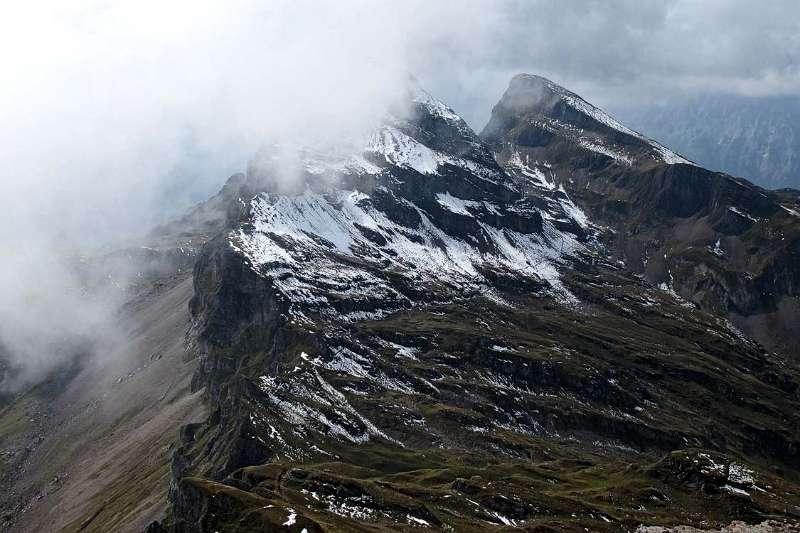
point(744, 136)
point(89, 449)
point(719, 241)
point(410, 336)
point(427, 331)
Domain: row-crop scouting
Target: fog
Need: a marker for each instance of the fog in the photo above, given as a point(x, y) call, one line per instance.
point(119, 115)
point(115, 116)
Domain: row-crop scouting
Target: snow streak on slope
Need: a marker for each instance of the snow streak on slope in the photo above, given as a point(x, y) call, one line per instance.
point(401, 150)
point(531, 171)
point(422, 213)
point(607, 151)
point(398, 148)
point(598, 114)
point(579, 104)
point(320, 247)
point(437, 108)
point(667, 156)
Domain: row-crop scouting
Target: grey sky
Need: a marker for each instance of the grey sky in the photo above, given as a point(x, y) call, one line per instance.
point(619, 53)
point(140, 90)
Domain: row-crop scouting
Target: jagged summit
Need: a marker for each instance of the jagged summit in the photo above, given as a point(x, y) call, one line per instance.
point(564, 114)
point(530, 93)
point(421, 133)
point(422, 212)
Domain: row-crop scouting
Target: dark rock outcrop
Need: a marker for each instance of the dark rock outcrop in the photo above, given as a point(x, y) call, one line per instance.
point(719, 241)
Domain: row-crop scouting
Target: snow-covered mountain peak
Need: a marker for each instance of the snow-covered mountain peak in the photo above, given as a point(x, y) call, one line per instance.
point(435, 107)
point(423, 135)
point(421, 213)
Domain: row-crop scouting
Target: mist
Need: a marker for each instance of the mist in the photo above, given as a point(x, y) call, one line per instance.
point(117, 116)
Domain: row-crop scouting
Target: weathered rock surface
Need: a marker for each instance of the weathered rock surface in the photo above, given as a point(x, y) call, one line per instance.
point(716, 240)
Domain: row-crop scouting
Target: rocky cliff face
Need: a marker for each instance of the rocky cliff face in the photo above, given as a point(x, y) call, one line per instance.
point(719, 241)
point(756, 138)
point(424, 334)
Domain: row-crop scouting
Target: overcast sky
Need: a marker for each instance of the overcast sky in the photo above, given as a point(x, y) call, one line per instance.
point(149, 91)
point(130, 110)
point(619, 53)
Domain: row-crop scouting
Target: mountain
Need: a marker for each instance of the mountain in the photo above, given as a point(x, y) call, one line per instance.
point(727, 245)
point(434, 330)
point(754, 137)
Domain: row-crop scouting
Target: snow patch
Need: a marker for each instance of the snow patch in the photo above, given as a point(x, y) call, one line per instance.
point(741, 213)
point(606, 150)
point(791, 211)
point(417, 521)
point(292, 518)
point(299, 243)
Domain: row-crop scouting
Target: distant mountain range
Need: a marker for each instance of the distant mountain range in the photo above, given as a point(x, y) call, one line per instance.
point(754, 138)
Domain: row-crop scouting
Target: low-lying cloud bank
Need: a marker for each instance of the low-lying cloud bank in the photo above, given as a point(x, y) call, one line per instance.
point(117, 116)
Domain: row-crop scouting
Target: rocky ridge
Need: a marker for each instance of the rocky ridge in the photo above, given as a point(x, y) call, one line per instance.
point(416, 336)
point(718, 241)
